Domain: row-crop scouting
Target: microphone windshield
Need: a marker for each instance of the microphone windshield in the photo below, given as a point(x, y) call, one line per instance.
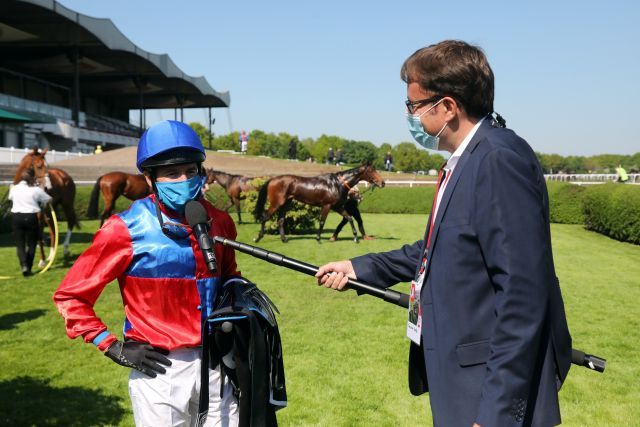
point(195, 213)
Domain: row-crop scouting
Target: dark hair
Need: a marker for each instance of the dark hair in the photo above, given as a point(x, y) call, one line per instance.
point(456, 69)
point(29, 176)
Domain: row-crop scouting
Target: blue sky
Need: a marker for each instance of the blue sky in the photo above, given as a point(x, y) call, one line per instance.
point(566, 71)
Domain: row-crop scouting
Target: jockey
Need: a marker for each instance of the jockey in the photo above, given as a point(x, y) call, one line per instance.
point(166, 287)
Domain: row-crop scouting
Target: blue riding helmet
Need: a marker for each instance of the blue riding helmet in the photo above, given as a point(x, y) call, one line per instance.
point(168, 143)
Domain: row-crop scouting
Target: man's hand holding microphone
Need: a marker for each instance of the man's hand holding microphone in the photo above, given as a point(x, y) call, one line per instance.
point(335, 275)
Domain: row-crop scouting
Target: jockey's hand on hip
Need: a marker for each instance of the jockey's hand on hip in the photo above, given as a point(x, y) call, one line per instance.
point(137, 355)
point(335, 275)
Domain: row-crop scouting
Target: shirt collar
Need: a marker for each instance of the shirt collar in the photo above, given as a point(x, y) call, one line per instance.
point(453, 160)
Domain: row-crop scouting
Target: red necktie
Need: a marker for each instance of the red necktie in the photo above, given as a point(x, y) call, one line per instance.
point(442, 178)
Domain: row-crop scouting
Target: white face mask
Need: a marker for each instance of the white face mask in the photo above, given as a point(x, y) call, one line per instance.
point(421, 136)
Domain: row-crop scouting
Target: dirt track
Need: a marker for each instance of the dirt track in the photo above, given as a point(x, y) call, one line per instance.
point(124, 159)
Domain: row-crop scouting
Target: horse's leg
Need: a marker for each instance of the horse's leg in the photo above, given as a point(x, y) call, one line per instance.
point(282, 212)
point(42, 261)
point(226, 209)
point(71, 221)
point(323, 217)
point(272, 209)
point(237, 203)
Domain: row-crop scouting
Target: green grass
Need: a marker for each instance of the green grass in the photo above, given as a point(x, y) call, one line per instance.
point(345, 356)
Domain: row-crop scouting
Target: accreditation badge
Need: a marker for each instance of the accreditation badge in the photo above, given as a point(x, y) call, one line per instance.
point(414, 316)
point(414, 320)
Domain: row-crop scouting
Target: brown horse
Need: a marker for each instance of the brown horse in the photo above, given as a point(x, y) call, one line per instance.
point(113, 185)
point(234, 185)
point(328, 191)
point(57, 183)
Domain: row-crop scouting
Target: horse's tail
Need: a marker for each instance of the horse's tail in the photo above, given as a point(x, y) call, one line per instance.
point(92, 210)
point(262, 200)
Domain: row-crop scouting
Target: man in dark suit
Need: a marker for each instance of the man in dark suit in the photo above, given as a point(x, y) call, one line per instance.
point(491, 344)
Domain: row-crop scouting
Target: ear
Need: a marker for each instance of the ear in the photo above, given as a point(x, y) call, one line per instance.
point(452, 108)
point(44, 152)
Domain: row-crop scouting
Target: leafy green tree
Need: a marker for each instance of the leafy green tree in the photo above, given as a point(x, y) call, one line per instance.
point(321, 147)
point(574, 164)
point(406, 157)
point(357, 152)
point(227, 142)
point(608, 162)
point(203, 133)
point(552, 163)
point(302, 150)
point(634, 163)
point(265, 144)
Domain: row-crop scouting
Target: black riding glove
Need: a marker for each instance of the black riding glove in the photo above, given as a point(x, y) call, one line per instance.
point(138, 355)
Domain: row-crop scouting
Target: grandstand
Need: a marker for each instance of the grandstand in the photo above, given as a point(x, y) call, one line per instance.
point(69, 81)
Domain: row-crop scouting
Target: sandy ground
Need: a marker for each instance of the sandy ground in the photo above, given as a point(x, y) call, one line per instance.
point(124, 159)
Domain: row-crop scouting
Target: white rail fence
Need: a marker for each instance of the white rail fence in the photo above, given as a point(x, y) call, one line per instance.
point(591, 178)
point(14, 155)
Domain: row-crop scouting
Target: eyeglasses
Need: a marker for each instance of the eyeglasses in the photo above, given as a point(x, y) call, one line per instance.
point(412, 106)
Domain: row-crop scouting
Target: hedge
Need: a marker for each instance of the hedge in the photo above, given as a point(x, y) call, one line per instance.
point(416, 200)
point(614, 210)
point(610, 209)
point(565, 203)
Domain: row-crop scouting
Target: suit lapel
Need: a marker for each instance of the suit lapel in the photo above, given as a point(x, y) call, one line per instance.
point(451, 185)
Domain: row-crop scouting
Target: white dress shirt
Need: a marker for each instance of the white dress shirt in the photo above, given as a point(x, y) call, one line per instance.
point(27, 199)
point(453, 161)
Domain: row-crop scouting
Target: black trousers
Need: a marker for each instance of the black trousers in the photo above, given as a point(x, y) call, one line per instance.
point(351, 206)
point(25, 228)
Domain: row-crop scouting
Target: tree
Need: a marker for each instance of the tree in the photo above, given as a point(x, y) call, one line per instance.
point(574, 164)
point(406, 157)
point(203, 133)
point(552, 163)
point(634, 163)
point(321, 147)
point(357, 152)
point(266, 144)
point(227, 142)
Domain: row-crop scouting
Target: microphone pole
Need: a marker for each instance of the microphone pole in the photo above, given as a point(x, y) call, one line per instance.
point(578, 357)
point(388, 295)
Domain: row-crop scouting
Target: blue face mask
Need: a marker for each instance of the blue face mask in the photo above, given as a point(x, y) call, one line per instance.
point(175, 195)
point(421, 136)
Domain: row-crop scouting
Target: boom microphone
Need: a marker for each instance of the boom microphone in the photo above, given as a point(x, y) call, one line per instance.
point(197, 219)
point(578, 357)
point(388, 295)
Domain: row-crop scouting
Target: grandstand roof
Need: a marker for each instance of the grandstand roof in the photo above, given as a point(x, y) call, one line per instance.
point(39, 38)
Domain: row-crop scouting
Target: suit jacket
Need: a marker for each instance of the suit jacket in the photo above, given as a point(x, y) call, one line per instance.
point(495, 343)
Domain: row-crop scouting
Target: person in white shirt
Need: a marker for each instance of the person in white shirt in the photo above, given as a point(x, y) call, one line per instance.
point(27, 199)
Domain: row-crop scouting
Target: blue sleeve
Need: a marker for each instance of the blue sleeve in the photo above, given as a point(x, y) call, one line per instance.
point(512, 228)
point(388, 268)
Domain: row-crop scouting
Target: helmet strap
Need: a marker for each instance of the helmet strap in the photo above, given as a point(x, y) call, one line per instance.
point(156, 202)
